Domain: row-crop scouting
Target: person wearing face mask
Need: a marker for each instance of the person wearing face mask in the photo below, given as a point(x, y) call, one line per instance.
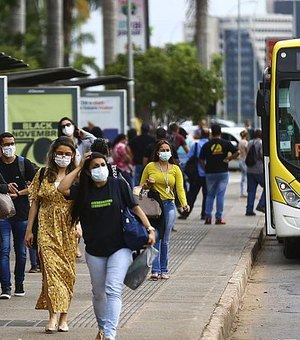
point(96, 200)
point(164, 177)
point(16, 225)
point(56, 234)
point(81, 138)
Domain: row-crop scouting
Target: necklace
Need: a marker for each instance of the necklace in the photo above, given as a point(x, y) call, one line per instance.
point(165, 176)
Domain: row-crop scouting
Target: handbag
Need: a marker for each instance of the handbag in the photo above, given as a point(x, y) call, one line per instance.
point(191, 166)
point(7, 207)
point(140, 267)
point(135, 234)
point(148, 204)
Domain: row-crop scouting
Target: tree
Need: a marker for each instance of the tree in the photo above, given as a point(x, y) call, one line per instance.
point(170, 84)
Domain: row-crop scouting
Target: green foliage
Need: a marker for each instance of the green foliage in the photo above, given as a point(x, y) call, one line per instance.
point(170, 83)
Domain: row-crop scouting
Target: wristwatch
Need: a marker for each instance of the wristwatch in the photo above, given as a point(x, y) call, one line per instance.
point(150, 229)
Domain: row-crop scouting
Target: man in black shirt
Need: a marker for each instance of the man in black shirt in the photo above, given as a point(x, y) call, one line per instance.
point(18, 172)
point(214, 158)
point(137, 146)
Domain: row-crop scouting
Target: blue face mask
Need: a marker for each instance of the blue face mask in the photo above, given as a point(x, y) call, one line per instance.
point(165, 156)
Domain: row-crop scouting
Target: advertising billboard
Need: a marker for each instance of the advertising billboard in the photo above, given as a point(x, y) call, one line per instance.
point(138, 25)
point(106, 109)
point(33, 114)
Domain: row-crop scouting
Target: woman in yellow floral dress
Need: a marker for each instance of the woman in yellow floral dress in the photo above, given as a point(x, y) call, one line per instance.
point(56, 235)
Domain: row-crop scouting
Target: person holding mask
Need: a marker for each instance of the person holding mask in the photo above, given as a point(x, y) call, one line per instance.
point(81, 138)
point(96, 200)
point(56, 234)
point(163, 176)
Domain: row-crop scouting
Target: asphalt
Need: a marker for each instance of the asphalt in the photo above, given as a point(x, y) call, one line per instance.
point(209, 268)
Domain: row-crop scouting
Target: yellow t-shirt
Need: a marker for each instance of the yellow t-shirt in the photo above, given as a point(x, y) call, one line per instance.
point(174, 178)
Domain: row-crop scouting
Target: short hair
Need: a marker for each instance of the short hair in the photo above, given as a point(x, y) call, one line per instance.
point(145, 128)
point(99, 145)
point(216, 130)
point(161, 133)
point(173, 127)
point(6, 135)
point(258, 133)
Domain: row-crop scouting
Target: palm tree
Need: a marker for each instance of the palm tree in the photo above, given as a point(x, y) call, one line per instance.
point(17, 22)
point(55, 38)
point(201, 31)
point(109, 29)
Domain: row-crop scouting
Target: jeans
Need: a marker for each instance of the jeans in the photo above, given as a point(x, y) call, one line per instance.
point(243, 169)
point(33, 257)
point(160, 264)
point(107, 276)
point(137, 174)
point(216, 184)
point(252, 182)
point(18, 229)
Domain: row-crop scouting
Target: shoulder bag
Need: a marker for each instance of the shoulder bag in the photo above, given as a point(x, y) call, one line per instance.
point(7, 207)
point(148, 204)
point(191, 166)
point(135, 234)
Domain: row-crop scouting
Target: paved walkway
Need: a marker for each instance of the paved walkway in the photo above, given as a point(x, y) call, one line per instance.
point(209, 266)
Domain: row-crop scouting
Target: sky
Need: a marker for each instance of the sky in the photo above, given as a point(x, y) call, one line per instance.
point(166, 19)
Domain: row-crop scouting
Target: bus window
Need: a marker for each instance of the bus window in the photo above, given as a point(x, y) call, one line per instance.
point(288, 118)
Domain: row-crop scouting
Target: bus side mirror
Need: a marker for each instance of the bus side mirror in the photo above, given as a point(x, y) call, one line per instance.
point(260, 105)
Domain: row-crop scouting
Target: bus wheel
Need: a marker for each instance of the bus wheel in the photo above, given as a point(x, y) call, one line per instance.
point(289, 248)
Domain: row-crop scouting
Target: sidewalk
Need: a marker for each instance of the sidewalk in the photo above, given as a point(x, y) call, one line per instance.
point(209, 266)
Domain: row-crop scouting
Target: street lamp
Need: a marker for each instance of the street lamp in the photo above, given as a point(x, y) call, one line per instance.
point(131, 98)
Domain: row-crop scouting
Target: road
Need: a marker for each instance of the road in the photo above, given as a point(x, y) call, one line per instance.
point(271, 305)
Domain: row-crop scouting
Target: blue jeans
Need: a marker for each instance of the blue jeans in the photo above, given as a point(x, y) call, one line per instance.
point(252, 182)
point(107, 277)
point(18, 229)
point(160, 264)
point(137, 174)
point(216, 185)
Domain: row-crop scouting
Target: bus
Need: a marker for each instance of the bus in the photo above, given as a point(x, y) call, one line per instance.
point(278, 105)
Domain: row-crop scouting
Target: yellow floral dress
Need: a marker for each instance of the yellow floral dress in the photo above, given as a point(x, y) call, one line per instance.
point(56, 246)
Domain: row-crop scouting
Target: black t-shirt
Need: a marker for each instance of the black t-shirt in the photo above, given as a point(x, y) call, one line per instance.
point(138, 145)
point(101, 216)
point(12, 174)
point(214, 152)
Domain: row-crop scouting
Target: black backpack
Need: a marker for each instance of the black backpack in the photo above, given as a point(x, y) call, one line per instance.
point(251, 158)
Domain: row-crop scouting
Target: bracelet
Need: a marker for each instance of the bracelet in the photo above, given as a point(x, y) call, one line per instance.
point(150, 229)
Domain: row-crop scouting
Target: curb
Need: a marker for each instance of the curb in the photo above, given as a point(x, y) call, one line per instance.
point(223, 316)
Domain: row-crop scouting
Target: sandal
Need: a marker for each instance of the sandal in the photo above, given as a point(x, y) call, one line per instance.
point(154, 277)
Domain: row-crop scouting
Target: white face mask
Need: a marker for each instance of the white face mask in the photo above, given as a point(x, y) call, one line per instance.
point(9, 151)
point(62, 161)
point(99, 174)
point(68, 130)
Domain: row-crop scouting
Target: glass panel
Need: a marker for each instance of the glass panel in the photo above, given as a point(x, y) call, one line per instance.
point(288, 118)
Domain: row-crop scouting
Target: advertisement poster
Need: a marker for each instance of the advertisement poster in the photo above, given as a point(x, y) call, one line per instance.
point(138, 26)
point(3, 102)
point(106, 109)
point(33, 114)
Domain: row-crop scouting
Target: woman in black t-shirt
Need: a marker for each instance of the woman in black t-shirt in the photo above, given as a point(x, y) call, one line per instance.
point(98, 207)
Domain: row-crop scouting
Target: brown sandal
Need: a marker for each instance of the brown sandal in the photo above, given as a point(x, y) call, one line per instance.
point(154, 277)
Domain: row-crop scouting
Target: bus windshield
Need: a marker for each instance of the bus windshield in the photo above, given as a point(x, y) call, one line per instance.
point(288, 121)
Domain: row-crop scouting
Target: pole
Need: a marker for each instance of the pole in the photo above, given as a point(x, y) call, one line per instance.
point(131, 99)
point(239, 57)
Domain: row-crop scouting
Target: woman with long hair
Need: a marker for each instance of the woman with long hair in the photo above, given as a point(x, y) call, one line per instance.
point(98, 199)
point(163, 176)
point(56, 234)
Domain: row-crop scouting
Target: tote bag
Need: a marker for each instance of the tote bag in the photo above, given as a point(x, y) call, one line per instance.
point(7, 207)
point(140, 267)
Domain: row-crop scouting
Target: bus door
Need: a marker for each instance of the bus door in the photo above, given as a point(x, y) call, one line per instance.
point(263, 111)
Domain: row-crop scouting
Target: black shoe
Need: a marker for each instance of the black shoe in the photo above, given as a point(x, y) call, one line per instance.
point(182, 217)
point(34, 269)
point(202, 218)
point(261, 209)
point(250, 213)
point(6, 294)
point(207, 220)
point(19, 291)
